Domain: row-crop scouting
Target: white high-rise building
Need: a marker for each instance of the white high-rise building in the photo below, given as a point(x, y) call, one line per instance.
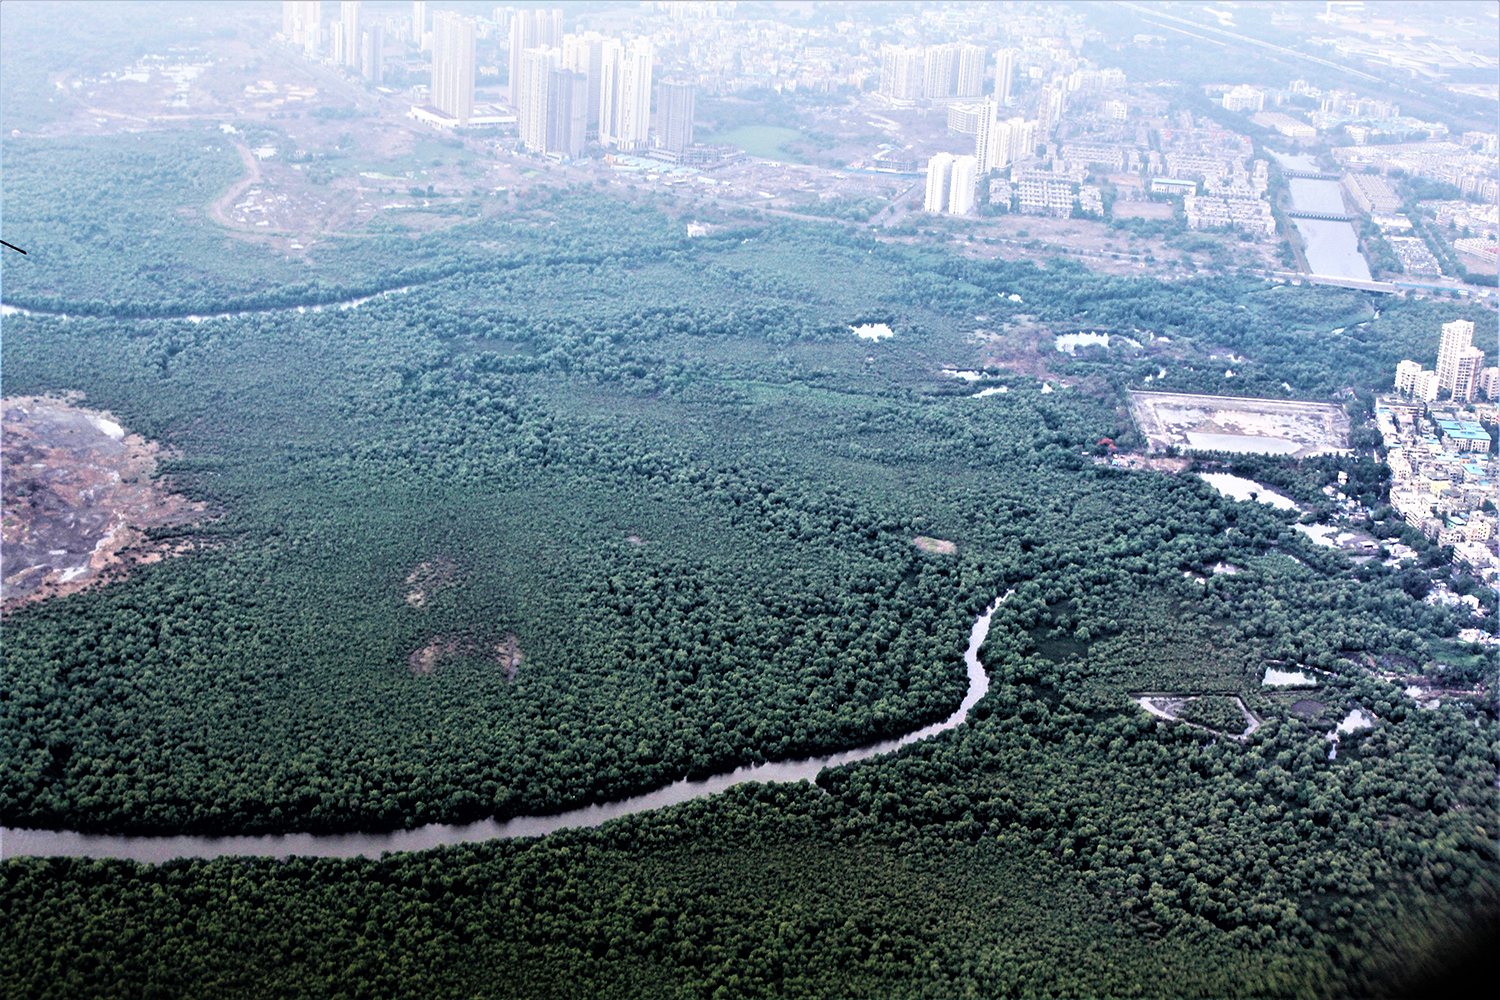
point(1050, 110)
point(372, 50)
point(531, 29)
point(585, 54)
point(901, 73)
point(939, 67)
point(551, 103)
point(1406, 376)
point(1466, 377)
point(1011, 141)
point(939, 174)
point(961, 183)
point(675, 102)
point(1454, 360)
point(302, 24)
point(625, 95)
point(350, 37)
point(952, 71)
point(549, 27)
point(968, 81)
point(419, 23)
point(1005, 69)
point(984, 137)
point(532, 71)
point(567, 112)
point(1425, 387)
point(453, 64)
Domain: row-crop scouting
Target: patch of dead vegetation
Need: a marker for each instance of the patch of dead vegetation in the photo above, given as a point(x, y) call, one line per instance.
point(509, 657)
point(78, 494)
point(427, 579)
point(430, 658)
point(936, 546)
point(440, 649)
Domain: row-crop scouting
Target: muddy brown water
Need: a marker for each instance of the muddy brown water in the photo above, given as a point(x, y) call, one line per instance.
point(15, 842)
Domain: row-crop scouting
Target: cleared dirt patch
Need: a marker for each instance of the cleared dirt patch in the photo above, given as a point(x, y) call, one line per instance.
point(427, 579)
point(430, 658)
point(935, 545)
point(440, 649)
point(1237, 424)
point(77, 496)
point(509, 657)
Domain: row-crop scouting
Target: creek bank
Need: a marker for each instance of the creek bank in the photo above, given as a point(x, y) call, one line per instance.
point(15, 842)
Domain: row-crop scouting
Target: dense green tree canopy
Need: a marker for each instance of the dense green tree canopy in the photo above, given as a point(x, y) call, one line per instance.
point(670, 472)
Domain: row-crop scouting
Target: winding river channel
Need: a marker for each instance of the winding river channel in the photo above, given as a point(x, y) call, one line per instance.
point(9, 310)
point(155, 850)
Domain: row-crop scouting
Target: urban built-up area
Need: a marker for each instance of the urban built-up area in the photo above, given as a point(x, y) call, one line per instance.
point(983, 109)
point(1443, 475)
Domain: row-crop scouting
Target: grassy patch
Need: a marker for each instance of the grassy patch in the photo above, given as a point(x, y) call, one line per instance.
point(765, 141)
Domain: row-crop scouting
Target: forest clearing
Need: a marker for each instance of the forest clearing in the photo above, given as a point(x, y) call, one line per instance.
point(79, 493)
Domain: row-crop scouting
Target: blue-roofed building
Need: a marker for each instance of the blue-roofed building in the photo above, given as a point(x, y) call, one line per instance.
point(1464, 435)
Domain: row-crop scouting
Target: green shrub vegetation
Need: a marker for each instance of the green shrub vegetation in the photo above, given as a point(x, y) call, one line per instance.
point(1216, 712)
point(667, 469)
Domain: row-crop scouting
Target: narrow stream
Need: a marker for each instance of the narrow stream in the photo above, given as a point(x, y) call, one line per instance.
point(155, 850)
point(9, 310)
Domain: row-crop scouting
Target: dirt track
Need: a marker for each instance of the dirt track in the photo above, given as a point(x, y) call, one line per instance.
point(216, 210)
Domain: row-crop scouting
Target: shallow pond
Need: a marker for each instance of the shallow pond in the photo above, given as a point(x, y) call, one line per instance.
point(1069, 343)
point(1242, 489)
point(1287, 678)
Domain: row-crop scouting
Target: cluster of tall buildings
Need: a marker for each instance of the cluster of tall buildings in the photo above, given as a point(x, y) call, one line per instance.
point(569, 89)
point(1460, 373)
point(951, 183)
point(352, 41)
point(940, 73)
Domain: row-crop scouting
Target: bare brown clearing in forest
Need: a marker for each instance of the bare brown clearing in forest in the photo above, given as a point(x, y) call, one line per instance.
point(77, 495)
point(430, 658)
point(508, 654)
point(427, 579)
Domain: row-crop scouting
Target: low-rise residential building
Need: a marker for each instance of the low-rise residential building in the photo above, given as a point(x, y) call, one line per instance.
point(1042, 192)
point(1285, 124)
point(1166, 185)
point(1372, 193)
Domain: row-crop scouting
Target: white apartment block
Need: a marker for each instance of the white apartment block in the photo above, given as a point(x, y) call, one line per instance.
point(625, 94)
point(939, 175)
point(961, 185)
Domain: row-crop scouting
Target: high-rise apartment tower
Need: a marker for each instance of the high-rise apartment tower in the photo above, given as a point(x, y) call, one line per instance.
point(302, 24)
point(453, 64)
point(961, 184)
point(939, 174)
point(585, 54)
point(372, 48)
point(1459, 361)
point(625, 95)
point(674, 115)
point(901, 73)
point(419, 23)
point(531, 29)
point(349, 34)
point(1005, 70)
point(532, 72)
